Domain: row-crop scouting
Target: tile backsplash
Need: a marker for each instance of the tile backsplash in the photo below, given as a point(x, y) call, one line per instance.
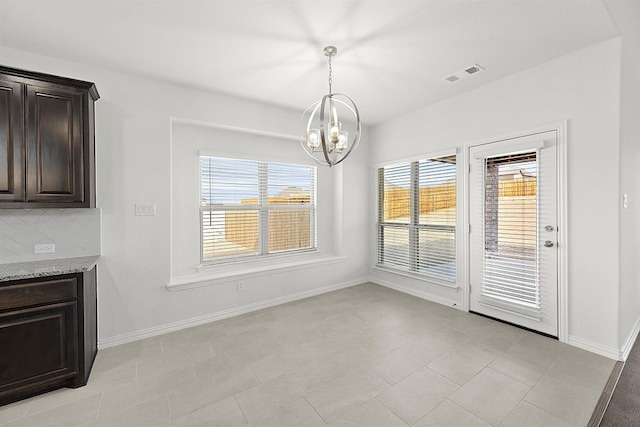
point(75, 232)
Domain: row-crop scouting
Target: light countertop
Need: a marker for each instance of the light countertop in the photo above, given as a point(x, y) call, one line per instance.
point(52, 267)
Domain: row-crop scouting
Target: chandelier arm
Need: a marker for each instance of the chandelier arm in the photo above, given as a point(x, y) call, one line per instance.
point(313, 113)
point(322, 131)
point(356, 139)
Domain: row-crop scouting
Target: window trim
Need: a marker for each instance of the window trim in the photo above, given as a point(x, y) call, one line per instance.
point(210, 275)
point(417, 276)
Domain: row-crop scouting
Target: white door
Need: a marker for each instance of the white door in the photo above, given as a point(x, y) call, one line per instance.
point(513, 231)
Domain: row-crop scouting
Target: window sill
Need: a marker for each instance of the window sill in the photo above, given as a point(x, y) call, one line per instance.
point(208, 275)
point(421, 277)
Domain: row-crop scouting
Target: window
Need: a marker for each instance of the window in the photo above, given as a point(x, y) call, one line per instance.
point(250, 208)
point(417, 217)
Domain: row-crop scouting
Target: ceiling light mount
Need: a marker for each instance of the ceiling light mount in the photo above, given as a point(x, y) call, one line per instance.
point(330, 51)
point(326, 124)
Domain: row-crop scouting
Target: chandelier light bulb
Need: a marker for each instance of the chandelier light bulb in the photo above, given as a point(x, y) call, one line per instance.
point(334, 131)
point(313, 138)
point(343, 137)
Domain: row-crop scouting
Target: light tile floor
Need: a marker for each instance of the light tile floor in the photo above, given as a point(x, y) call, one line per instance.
point(361, 356)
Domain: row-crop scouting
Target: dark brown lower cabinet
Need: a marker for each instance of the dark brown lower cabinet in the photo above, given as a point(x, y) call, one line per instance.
point(47, 334)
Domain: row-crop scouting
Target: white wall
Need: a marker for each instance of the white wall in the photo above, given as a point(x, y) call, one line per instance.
point(134, 162)
point(626, 14)
point(133, 166)
point(582, 88)
point(189, 140)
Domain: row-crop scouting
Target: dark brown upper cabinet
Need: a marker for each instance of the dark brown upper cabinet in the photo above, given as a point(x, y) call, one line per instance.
point(11, 141)
point(47, 141)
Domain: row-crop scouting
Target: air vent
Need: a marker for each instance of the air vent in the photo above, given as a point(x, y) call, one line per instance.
point(472, 69)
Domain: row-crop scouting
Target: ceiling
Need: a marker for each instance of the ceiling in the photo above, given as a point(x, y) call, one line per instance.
point(392, 55)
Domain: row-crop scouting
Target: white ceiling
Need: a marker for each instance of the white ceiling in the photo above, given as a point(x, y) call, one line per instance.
point(393, 55)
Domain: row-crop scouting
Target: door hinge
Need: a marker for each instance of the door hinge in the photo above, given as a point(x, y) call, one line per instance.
point(469, 225)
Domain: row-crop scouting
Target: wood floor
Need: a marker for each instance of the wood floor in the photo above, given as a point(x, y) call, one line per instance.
point(624, 407)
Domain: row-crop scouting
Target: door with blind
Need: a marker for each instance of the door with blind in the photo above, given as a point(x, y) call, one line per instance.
point(513, 231)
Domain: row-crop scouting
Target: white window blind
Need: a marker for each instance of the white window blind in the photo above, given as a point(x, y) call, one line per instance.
point(417, 216)
point(437, 217)
point(511, 263)
point(250, 208)
point(394, 185)
point(291, 207)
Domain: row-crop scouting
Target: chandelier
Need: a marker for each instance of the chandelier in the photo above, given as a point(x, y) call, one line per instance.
point(327, 124)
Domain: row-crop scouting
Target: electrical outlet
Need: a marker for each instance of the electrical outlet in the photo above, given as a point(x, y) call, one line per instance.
point(44, 248)
point(240, 286)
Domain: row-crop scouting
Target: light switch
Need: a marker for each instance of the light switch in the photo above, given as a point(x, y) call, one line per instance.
point(145, 209)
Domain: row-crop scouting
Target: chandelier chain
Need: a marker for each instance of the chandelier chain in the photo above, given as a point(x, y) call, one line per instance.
point(330, 77)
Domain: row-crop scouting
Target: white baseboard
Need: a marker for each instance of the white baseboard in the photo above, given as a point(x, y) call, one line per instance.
point(415, 293)
point(602, 350)
point(612, 353)
point(626, 349)
point(224, 314)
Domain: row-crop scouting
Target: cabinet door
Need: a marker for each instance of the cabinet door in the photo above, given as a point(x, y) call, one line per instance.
point(11, 148)
point(54, 145)
point(39, 348)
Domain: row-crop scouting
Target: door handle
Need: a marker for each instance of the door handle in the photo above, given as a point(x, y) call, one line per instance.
point(548, 244)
